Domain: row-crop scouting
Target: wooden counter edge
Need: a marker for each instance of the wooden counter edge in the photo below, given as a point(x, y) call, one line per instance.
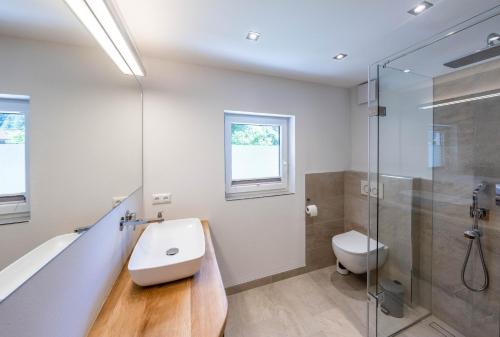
point(192, 307)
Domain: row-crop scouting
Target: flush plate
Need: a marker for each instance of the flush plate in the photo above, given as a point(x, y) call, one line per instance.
point(373, 189)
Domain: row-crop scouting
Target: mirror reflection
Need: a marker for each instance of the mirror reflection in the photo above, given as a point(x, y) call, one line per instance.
point(70, 135)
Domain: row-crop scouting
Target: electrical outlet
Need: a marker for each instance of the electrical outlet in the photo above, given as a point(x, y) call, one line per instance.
point(162, 198)
point(117, 201)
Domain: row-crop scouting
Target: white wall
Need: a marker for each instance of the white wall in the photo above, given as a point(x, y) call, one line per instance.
point(403, 132)
point(358, 132)
point(184, 154)
point(64, 298)
point(85, 137)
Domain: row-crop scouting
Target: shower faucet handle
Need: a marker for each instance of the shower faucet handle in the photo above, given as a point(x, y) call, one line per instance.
point(481, 213)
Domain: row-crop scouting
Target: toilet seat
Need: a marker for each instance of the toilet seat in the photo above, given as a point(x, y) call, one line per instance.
point(351, 250)
point(354, 242)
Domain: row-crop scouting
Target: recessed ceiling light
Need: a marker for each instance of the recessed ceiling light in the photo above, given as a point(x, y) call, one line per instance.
point(253, 36)
point(340, 56)
point(420, 8)
point(406, 70)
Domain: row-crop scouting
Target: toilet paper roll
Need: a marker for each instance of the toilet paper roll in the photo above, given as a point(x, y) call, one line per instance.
point(312, 210)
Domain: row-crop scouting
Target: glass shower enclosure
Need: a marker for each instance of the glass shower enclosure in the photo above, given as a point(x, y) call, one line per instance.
point(434, 175)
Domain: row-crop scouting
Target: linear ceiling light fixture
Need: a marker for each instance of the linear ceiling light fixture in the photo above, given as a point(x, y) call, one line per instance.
point(101, 19)
point(464, 100)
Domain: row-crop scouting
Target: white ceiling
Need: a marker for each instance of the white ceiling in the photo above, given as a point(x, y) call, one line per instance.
point(298, 40)
point(429, 61)
point(48, 20)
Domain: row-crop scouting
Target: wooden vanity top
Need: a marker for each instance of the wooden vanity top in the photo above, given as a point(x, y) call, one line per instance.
point(193, 307)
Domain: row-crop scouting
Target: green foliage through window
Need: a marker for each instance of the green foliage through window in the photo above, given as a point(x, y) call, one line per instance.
point(251, 134)
point(12, 128)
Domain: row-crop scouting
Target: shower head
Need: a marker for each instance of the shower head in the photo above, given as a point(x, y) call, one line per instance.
point(492, 50)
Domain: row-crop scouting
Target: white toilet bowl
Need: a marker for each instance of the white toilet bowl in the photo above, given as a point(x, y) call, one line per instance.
point(351, 251)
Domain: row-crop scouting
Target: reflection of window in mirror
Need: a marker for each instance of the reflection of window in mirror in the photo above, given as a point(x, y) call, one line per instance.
point(14, 199)
point(435, 148)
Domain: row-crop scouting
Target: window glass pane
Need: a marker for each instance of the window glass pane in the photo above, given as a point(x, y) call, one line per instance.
point(255, 151)
point(12, 152)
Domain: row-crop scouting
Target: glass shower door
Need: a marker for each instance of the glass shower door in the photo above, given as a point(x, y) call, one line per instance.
point(434, 171)
point(401, 159)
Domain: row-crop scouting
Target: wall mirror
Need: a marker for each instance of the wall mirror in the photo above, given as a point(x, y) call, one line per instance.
point(70, 135)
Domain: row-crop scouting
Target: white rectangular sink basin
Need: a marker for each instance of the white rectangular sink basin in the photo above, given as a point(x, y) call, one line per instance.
point(167, 251)
point(19, 271)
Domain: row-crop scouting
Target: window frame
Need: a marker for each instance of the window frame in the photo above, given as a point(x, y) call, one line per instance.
point(15, 208)
point(261, 187)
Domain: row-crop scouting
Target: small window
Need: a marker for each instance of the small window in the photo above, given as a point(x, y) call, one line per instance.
point(259, 155)
point(14, 205)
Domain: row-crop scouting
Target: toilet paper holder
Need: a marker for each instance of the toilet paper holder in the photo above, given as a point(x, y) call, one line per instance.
point(312, 210)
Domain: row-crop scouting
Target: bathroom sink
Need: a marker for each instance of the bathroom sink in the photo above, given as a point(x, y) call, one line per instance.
point(14, 275)
point(167, 251)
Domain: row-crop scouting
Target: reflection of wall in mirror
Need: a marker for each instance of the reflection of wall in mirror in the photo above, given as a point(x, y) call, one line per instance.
point(79, 155)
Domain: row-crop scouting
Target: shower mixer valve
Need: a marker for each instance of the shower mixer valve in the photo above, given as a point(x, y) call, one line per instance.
point(481, 213)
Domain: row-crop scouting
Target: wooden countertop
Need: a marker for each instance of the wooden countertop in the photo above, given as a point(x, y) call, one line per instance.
point(193, 307)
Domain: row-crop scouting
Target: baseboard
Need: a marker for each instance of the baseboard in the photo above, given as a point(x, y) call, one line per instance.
point(270, 279)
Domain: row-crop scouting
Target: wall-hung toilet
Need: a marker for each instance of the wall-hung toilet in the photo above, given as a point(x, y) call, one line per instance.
point(351, 251)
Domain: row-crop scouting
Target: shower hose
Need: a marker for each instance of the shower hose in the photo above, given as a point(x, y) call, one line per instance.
point(481, 256)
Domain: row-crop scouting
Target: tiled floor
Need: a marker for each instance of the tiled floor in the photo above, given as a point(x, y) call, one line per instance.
point(306, 305)
point(317, 304)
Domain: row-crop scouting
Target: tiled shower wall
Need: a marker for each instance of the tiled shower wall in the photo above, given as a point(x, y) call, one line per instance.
point(471, 138)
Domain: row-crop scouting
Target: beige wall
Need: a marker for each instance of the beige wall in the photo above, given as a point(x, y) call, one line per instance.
point(355, 204)
point(326, 191)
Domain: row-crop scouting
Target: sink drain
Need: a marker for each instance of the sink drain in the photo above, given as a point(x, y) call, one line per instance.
point(172, 251)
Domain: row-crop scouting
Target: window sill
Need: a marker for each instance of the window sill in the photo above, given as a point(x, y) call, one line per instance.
point(10, 219)
point(12, 213)
point(256, 195)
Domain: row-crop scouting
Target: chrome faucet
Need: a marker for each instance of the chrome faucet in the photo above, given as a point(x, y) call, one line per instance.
point(475, 210)
point(130, 219)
